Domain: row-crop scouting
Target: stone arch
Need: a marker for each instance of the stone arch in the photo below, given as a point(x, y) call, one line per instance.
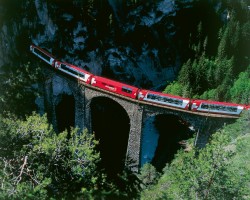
point(61, 86)
point(121, 102)
point(111, 125)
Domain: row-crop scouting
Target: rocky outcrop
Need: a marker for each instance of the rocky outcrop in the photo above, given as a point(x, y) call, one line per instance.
point(122, 51)
point(140, 43)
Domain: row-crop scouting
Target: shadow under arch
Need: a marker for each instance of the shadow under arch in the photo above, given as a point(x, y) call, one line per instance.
point(65, 113)
point(111, 126)
point(169, 131)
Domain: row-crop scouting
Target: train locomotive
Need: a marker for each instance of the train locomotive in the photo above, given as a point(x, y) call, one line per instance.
point(168, 100)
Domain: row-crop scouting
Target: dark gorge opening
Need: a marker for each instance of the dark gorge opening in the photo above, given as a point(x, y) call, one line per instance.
point(65, 113)
point(110, 124)
point(172, 132)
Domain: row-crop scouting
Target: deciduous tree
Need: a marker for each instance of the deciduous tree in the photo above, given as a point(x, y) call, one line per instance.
point(37, 163)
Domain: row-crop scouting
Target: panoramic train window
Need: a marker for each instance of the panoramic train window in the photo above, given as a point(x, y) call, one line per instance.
point(165, 99)
point(67, 68)
point(63, 66)
point(178, 102)
point(232, 109)
point(151, 96)
point(42, 54)
point(219, 107)
point(127, 90)
point(204, 106)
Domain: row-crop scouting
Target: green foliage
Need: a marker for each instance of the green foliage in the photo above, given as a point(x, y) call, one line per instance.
point(174, 88)
point(240, 91)
point(239, 171)
point(210, 94)
point(148, 175)
point(188, 177)
point(36, 162)
point(228, 39)
point(218, 171)
point(128, 185)
point(17, 91)
point(205, 78)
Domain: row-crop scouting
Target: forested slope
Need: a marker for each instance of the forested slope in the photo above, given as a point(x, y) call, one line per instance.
point(223, 75)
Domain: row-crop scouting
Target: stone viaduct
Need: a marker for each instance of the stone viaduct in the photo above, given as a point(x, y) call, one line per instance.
point(56, 84)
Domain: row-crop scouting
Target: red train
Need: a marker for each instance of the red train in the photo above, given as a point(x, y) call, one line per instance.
point(194, 105)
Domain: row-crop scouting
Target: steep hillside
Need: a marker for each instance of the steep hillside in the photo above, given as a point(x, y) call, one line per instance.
point(141, 43)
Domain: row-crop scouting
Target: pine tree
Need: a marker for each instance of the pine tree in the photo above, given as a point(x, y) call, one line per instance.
point(240, 91)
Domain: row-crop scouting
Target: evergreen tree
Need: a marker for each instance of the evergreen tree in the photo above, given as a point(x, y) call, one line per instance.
point(240, 91)
point(148, 175)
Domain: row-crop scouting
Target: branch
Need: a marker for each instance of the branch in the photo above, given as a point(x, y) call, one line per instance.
point(21, 172)
point(36, 181)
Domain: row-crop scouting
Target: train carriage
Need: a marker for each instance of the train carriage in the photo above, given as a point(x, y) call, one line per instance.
point(217, 107)
point(74, 71)
point(44, 55)
point(164, 99)
point(115, 87)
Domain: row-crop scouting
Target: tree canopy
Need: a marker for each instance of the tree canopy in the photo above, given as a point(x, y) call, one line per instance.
point(38, 163)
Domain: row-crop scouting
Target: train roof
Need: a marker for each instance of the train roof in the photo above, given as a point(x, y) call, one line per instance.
point(45, 52)
point(117, 83)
